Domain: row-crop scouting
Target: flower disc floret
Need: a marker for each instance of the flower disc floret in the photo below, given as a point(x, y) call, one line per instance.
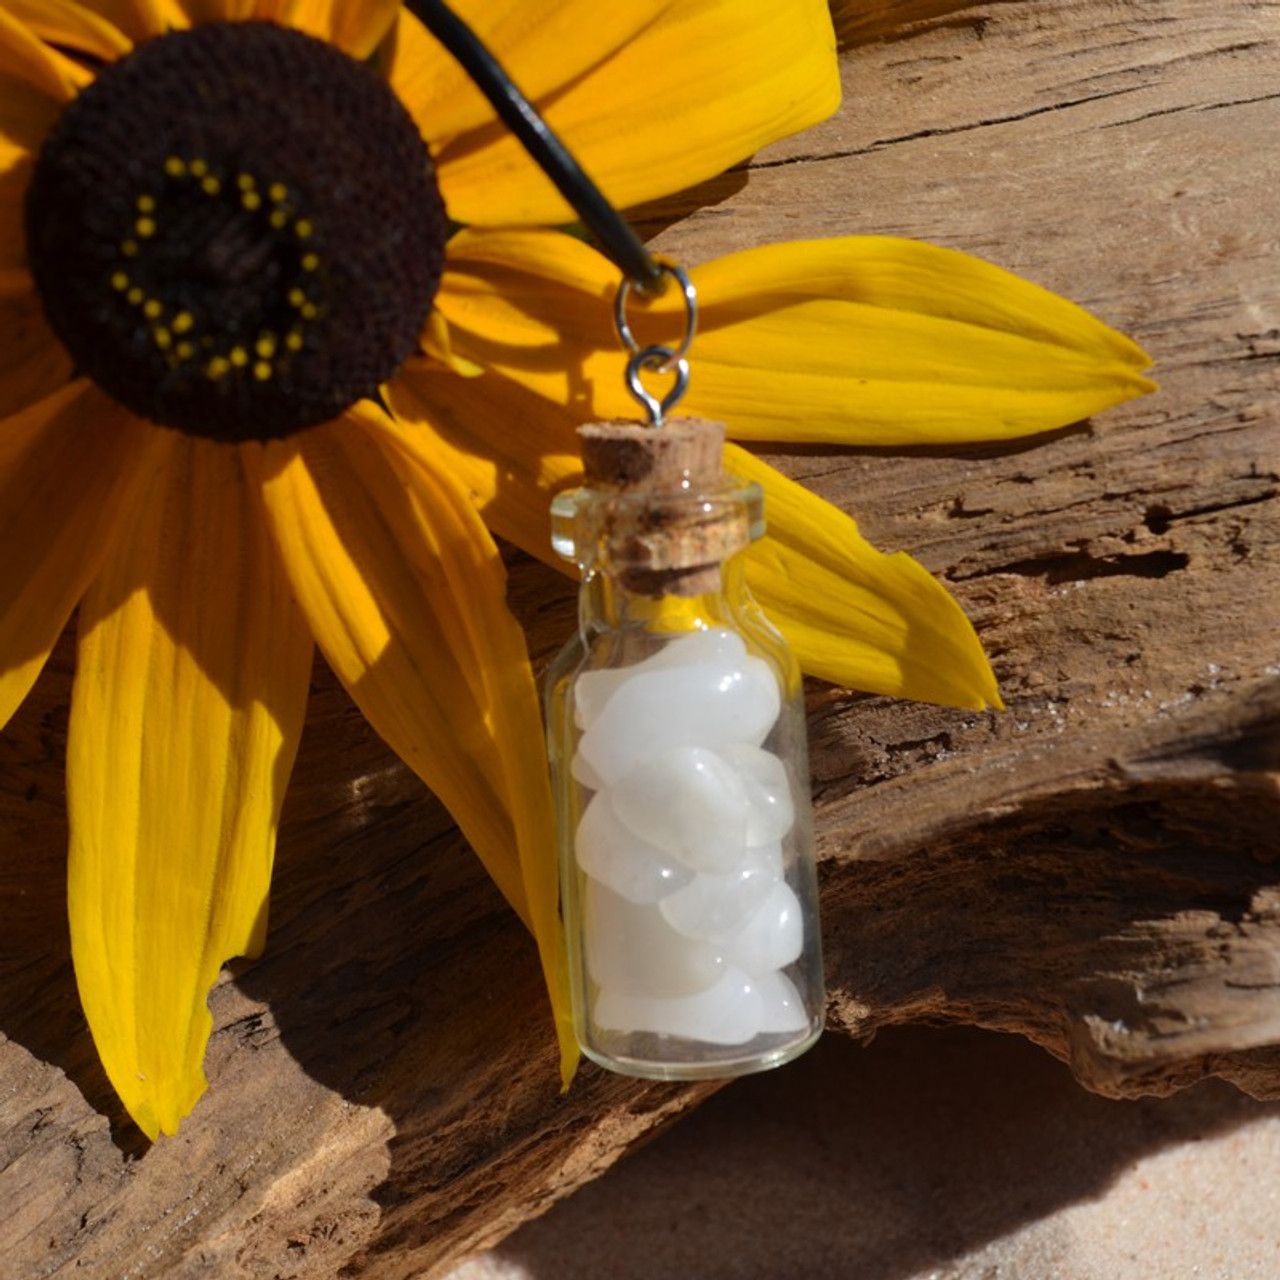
point(236, 231)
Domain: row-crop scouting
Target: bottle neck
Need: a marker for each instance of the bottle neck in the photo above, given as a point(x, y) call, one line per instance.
point(608, 602)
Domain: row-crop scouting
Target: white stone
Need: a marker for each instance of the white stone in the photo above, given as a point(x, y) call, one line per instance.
point(727, 1013)
point(584, 774)
point(771, 813)
point(616, 856)
point(782, 1012)
point(767, 858)
point(715, 644)
point(593, 689)
point(717, 907)
point(632, 949)
point(697, 648)
point(720, 695)
point(772, 938)
point(689, 802)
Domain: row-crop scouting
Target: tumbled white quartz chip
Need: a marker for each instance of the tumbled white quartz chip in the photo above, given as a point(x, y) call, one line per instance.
point(772, 938)
point(719, 695)
point(632, 949)
point(689, 802)
point(714, 644)
point(727, 1013)
point(585, 774)
point(716, 907)
point(781, 1009)
point(631, 867)
point(593, 689)
point(771, 813)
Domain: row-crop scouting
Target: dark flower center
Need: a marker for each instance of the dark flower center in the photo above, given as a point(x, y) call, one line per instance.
point(236, 231)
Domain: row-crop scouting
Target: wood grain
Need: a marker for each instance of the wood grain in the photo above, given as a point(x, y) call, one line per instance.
point(1095, 867)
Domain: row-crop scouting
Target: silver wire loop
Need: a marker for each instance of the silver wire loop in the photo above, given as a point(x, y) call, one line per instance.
point(691, 312)
point(659, 360)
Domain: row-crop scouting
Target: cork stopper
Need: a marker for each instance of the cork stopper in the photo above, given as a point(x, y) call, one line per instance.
point(663, 542)
point(684, 453)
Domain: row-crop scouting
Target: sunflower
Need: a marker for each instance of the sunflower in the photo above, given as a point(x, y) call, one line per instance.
point(261, 393)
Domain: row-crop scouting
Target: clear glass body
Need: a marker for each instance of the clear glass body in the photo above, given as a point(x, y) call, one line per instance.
point(677, 741)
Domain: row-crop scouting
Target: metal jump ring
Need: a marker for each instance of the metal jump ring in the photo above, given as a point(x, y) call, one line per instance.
point(660, 360)
point(676, 354)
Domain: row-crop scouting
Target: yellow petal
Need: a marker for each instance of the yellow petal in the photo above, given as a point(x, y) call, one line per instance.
point(13, 241)
point(852, 614)
point(434, 341)
point(72, 26)
point(68, 468)
point(404, 591)
point(139, 19)
point(27, 113)
point(25, 57)
point(189, 696)
point(882, 341)
point(32, 362)
point(196, 11)
point(511, 450)
point(862, 341)
point(545, 44)
point(537, 306)
point(696, 90)
point(15, 282)
point(356, 29)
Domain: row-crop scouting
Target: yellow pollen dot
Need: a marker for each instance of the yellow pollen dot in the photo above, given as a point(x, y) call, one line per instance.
point(302, 229)
point(217, 368)
point(309, 311)
point(251, 200)
point(245, 181)
point(175, 167)
point(277, 191)
point(183, 321)
point(210, 185)
point(310, 261)
point(152, 309)
point(294, 341)
point(146, 204)
point(278, 218)
point(262, 371)
point(239, 357)
point(145, 227)
point(198, 168)
point(296, 297)
point(185, 351)
point(119, 282)
point(135, 296)
point(163, 338)
point(266, 346)
point(129, 248)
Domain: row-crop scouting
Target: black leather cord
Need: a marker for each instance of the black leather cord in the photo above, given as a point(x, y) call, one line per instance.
point(614, 233)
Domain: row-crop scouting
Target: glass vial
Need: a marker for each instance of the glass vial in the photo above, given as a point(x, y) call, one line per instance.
point(677, 740)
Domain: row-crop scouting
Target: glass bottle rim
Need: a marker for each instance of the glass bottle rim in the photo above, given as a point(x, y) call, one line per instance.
point(581, 517)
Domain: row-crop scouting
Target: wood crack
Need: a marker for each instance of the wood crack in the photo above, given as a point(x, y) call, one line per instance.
point(1081, 566)
point(1184, 108)
point(1159, 518)
point(881, 144)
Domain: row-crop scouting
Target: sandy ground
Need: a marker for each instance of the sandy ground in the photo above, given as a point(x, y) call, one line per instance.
point(930, 1155)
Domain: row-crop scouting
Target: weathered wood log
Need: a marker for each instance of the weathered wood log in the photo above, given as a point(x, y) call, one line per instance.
point(1094, 868)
